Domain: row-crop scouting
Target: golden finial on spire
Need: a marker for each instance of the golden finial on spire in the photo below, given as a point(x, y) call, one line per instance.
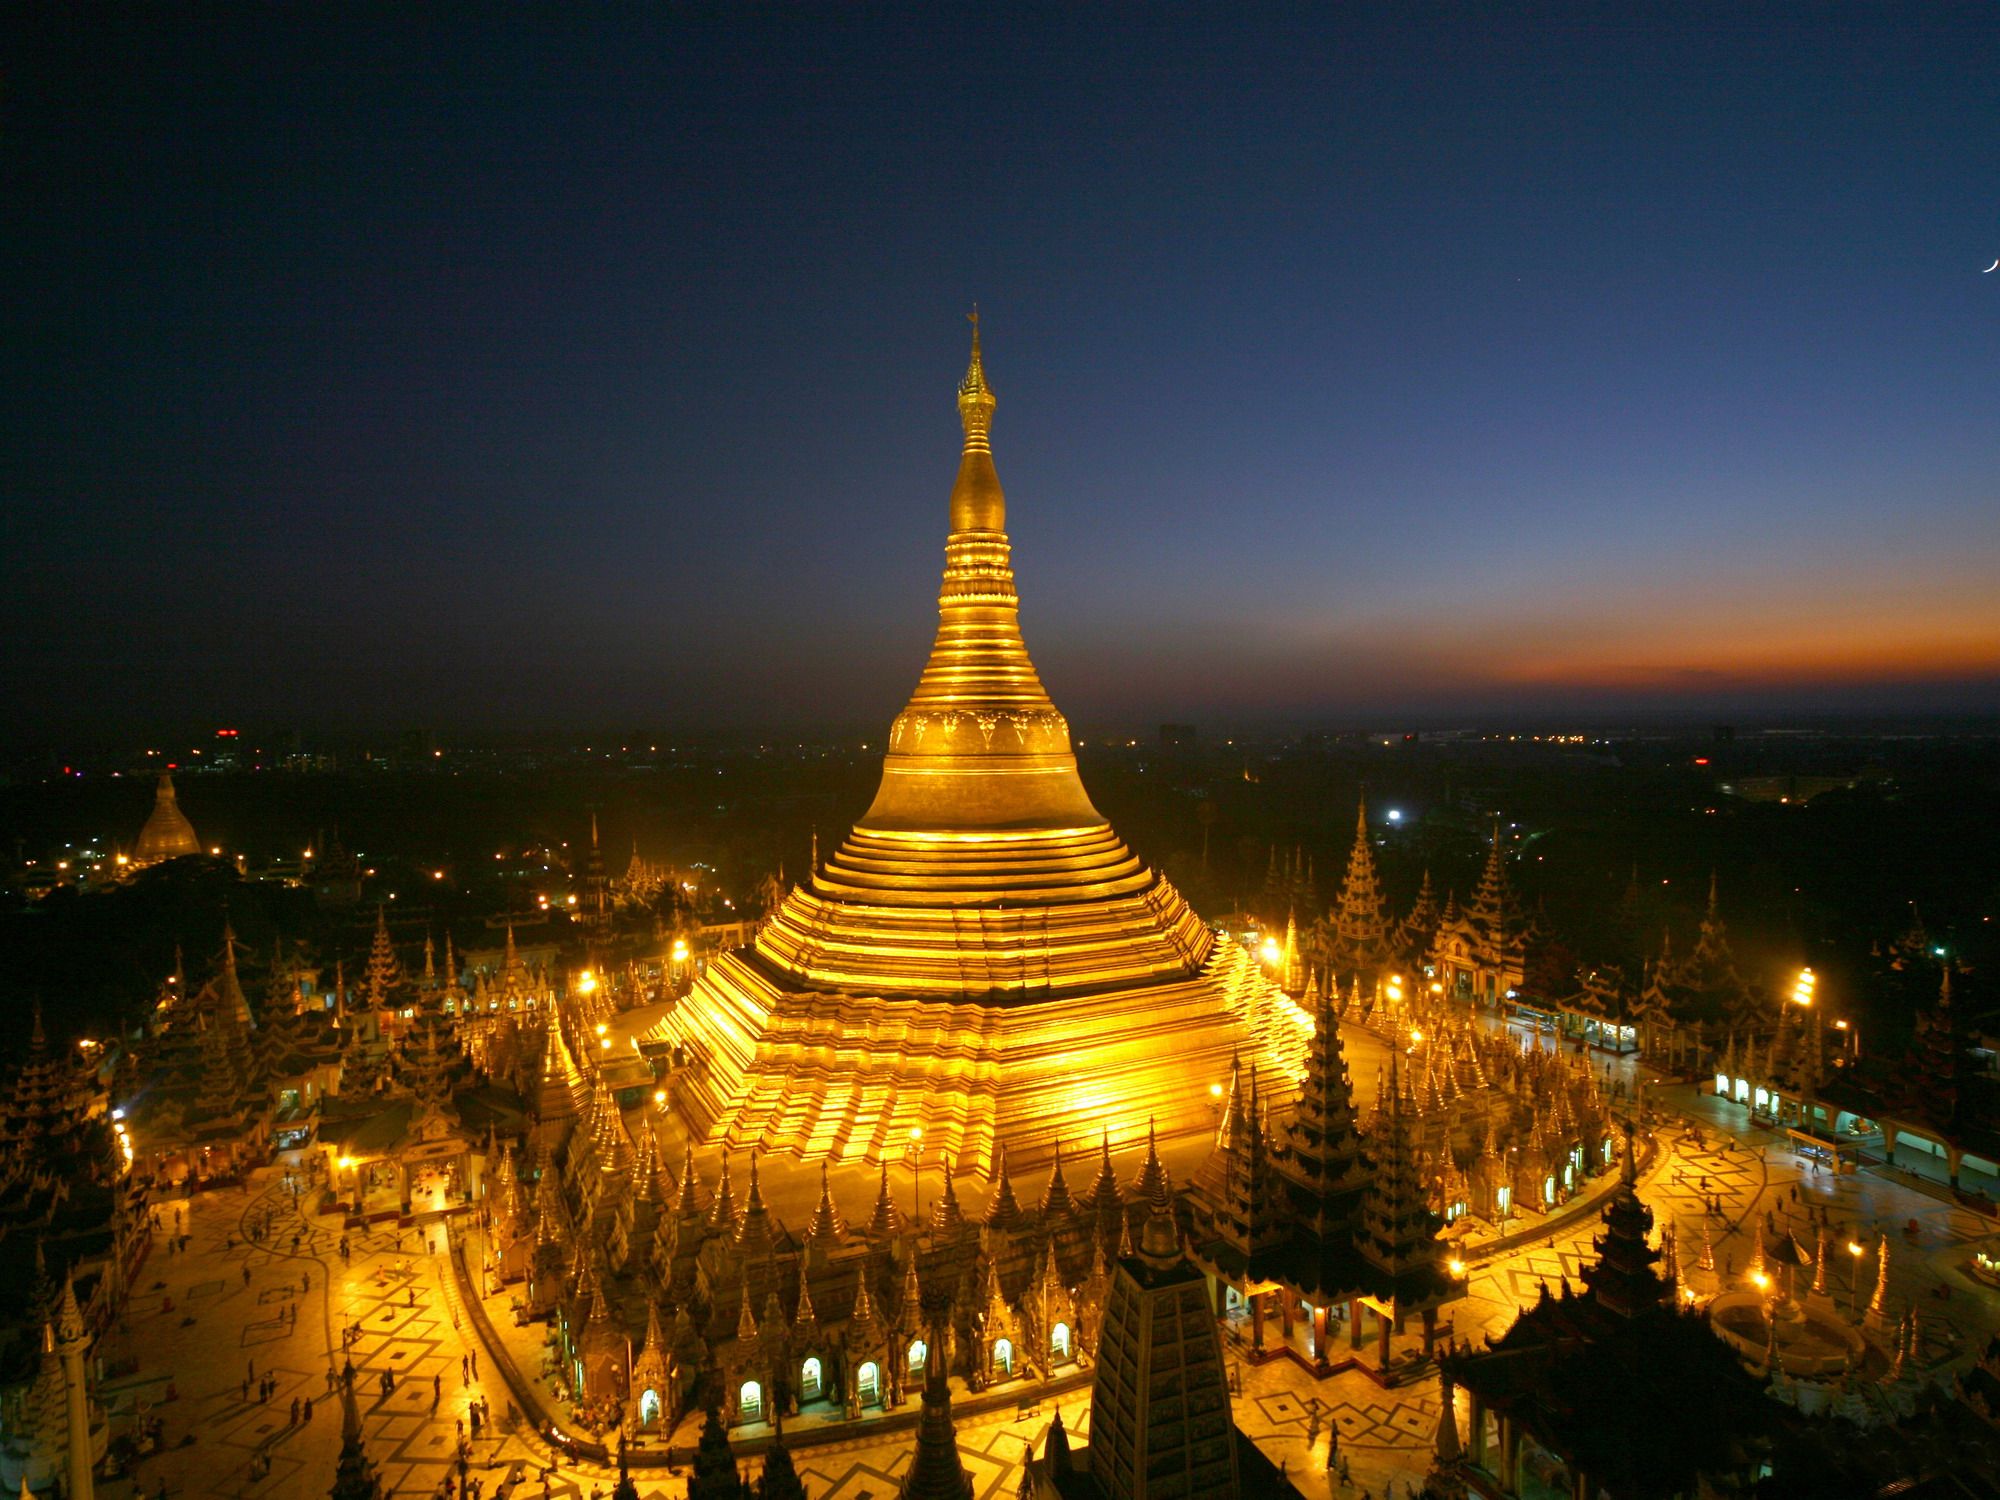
point(975, 397)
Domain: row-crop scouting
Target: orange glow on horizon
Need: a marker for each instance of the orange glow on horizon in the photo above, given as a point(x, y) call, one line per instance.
point(1820, 661)
point(1829, 630)
point(1940, 635)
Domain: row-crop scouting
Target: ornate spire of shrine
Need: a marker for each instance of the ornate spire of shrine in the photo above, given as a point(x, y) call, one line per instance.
point(826, 1221)
point(1493, 900)
point(1153, 1180)
point(753, 1233)
point(1361, 939)
point(936, 1472)
point(1003, 1212)
point(1056, 1200)
point(1103, 1201)
point(688, 1204)
point(1398, 1228)
point(886, 1221)
point(354, 1476)
point(947, 1217)
point(1321, 1137)
point(722, 1212)
point(1626, 1279)
point(975, 408)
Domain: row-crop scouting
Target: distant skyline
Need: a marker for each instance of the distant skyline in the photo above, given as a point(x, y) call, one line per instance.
point(532, 371)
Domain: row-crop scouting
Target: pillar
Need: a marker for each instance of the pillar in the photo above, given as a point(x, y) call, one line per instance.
point(1354, 1322)
point(1430, 1331)
point(1889, 1134)
point(1285, 1310)
point(1509, 1473)
point(1257, 1322)
point(1382, 1327)
point(72, 1342)
point(1319, 1322)
point(1952, 1157)
point(1478, 1448)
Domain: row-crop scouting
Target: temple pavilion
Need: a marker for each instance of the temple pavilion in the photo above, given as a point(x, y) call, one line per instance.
point(1617, 1390)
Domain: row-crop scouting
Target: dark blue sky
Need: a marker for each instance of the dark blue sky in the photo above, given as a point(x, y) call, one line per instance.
point(523, 370)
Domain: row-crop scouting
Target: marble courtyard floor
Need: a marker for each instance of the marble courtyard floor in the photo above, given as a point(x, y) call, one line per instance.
point(287, 1321)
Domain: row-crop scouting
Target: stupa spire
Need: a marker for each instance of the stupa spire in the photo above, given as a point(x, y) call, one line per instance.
point(980, 716)
point(977, 503)
point(975, 399)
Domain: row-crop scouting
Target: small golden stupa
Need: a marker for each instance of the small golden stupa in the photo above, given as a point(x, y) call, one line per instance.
point(982, 964)
point(167, 834)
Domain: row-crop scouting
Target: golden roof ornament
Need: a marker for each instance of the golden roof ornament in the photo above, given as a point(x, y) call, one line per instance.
point(977, 503)
point(975, 397)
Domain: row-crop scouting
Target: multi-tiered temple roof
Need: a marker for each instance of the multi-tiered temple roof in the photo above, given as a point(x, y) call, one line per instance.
point(982, 959)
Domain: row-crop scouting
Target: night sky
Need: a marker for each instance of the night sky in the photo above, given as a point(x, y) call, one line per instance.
point(594, 368)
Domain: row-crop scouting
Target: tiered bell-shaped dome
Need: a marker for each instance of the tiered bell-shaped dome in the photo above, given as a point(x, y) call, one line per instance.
point(167, 834)
point(982, 957)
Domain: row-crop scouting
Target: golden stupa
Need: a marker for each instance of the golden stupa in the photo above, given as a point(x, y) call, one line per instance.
point(167, 834)
point(983, 960)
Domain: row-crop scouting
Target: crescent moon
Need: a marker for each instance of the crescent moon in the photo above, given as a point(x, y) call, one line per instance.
point(1992, 268)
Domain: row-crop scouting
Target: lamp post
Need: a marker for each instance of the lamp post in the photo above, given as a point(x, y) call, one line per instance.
point(1850, 1038)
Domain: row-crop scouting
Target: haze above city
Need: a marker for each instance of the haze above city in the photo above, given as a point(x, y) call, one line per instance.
point(373, 372)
